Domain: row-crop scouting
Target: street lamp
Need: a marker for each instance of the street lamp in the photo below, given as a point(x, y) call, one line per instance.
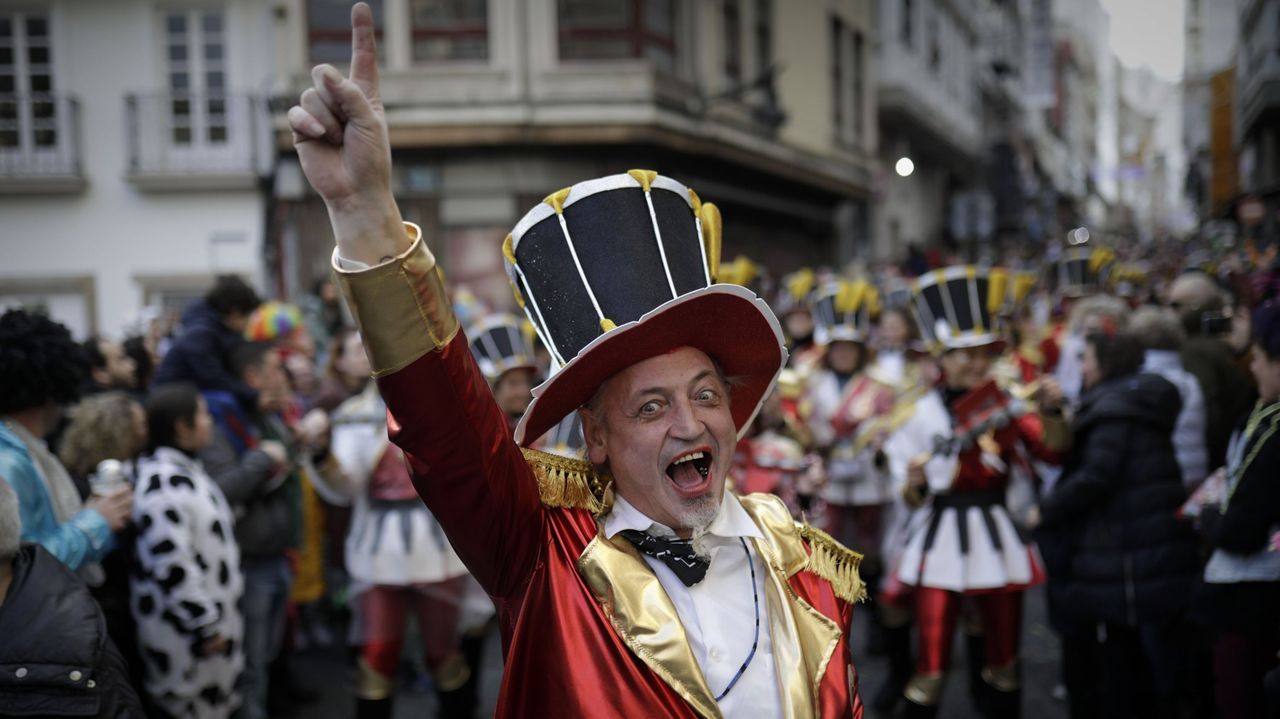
point(904, 167)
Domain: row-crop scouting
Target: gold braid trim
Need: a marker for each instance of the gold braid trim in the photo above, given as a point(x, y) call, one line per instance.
point(569, 483)
point(835, 563)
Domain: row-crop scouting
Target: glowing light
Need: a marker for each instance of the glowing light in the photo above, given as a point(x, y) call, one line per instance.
point(904, 167)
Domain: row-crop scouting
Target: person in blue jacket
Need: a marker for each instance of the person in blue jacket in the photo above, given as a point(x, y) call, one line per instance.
point(41, 371)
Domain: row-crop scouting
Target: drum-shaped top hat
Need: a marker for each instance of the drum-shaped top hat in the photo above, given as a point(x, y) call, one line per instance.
point(795, 292)
point(1083, 270)
point(844, 310)
point(500, 345)
point(616, 270)
point(565, 439)
point(955, 308)
point(895, 292)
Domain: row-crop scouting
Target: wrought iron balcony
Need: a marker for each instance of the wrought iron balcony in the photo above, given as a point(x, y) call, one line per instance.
point(194, 140)
point(40, 144)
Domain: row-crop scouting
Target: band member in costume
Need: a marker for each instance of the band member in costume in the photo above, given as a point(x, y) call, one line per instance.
point(952, 458)
point(770, 459)
point(1081, 273)
point(845, 404)
point(506, 359)
point(632, 584)
point(400, 563)
point(791, 303)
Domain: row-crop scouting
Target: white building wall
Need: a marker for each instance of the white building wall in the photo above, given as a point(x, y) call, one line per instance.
point(115, 233)
point(941, 103)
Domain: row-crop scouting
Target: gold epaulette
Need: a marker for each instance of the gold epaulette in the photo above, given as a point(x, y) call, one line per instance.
point(835, 563)
point(569, 483)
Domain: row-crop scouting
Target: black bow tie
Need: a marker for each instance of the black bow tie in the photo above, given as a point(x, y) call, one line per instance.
point(676, 553)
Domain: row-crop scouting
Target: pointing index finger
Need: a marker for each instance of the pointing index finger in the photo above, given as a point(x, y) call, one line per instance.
point(364, 51)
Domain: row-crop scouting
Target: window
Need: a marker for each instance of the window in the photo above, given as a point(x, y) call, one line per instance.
point(196, 60)
point(907, 28)
point(731, 30)
point(858, 65)
point(329, 29)
point(935, 48)
point(847, 82)
point(618, 30)
point(764, 35)
point(28, 113)
point(450, 30)
point(836, 38)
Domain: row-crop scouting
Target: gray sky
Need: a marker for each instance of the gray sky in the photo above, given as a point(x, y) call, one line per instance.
point(1148, 32)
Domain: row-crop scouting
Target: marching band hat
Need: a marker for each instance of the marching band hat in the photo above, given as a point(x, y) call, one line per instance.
point(956, 308)
point(500, 345)
point(1083, 270)
point(844, 310)
point(742, 271)
point(795, 292)
point(616, 270)
point(565, 439)
point(895, 292)
point(1011, 288)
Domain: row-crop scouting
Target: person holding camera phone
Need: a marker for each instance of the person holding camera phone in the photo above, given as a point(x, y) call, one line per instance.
point(1229, 390)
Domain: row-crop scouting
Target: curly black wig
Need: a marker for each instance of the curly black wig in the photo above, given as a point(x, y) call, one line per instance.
point(39, 362)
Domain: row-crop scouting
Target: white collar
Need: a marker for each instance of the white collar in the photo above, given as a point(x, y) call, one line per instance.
point(731, 520)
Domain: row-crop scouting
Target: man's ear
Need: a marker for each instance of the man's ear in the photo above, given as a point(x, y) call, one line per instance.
point(594, 432)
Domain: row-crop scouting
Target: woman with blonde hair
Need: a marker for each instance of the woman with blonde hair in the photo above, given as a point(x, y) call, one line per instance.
point(111, 425)
point(106, 433)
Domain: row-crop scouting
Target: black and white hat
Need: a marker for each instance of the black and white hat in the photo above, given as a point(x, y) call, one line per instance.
point(955, 307)
point(616, 270)
point(1083, 270)
point(844, 310)
point(500, 345)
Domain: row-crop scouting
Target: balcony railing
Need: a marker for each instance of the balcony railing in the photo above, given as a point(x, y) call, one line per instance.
point(39, 142)
point(194, 138)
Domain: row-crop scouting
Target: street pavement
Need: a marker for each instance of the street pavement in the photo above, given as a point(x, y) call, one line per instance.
point(330, 673)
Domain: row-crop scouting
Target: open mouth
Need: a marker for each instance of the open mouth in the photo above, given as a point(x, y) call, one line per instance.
point(691, 471)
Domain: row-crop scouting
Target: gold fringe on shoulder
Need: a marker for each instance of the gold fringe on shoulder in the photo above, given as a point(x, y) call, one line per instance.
point(569, 483)
point(835, 563)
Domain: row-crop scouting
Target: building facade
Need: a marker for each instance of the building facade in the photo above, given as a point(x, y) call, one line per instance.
point(1257, 118)
point(133, 143)
point(765, 108)
point(929, 113)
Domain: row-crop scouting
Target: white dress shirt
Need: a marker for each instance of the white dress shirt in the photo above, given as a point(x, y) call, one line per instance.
point(718, 613)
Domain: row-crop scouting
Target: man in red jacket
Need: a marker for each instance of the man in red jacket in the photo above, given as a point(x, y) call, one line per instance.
point(631, 584)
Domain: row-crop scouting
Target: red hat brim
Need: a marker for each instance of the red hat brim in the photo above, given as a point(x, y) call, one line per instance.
point(727, 322)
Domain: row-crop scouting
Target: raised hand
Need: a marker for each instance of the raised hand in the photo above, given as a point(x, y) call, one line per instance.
point(340, 132)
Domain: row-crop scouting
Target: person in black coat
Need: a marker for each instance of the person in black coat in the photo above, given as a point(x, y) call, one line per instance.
point(1124, 560)
point(56, 656)
point(212, 330)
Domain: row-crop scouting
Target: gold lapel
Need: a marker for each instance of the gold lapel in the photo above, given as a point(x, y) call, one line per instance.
point(804, 639)
point(643, 615)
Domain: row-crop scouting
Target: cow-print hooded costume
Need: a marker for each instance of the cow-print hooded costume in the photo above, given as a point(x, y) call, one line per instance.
point(186, 587)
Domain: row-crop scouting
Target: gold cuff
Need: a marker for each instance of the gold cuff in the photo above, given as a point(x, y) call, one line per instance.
point(400, 306)
point(1003, 679)
point(925, 689)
